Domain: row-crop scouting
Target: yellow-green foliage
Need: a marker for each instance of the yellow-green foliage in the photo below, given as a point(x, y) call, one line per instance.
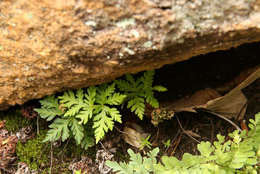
point(14, 120)
point(240, 154)
point(34, 152)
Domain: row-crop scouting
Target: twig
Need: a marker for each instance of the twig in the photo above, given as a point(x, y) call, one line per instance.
point(120, 130)
point(103, 147)
point(176, 144)
point(173, 141)
point(185, 131)
point(224, 118)
point(212, 131)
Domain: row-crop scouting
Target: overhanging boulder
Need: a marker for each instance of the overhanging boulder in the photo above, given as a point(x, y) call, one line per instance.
point(49, 46)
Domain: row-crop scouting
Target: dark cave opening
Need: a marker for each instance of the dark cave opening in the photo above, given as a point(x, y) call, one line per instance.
point(206, 71)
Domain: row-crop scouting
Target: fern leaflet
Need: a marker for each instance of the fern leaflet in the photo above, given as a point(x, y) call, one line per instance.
point(50, 108)
point(77, 130)
point(73, 103)
point(87, 112)
point(59, 129)
point(137, 106)
point(102, 122)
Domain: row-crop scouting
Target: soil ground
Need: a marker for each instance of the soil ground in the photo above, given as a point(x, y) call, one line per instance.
point(181, 79)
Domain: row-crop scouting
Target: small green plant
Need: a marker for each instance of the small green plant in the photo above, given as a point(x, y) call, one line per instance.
point(77, 113)
point(33, 152)
point(137, 164)
point(167, 144)
point(78, 172)
point(145, 143)
point(139, 91)
point(241, 154)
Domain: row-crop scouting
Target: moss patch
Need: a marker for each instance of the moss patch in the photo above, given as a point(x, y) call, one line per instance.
point(14, 119)
point(34, 152)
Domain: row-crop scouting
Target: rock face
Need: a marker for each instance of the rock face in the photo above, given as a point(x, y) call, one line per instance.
point(49, 46)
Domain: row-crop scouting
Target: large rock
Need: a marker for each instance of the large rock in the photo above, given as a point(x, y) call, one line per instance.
point(48, 46)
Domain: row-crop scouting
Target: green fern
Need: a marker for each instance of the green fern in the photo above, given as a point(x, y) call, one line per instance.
point(239, 155)
point(77, 130)
point(58, 129)
point(95, 106)
point(139, 91)
point(75, 111)
point(80, 105)
point(50, 108)
point(105, 115)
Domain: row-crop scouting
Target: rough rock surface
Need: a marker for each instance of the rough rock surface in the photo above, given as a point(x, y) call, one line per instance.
point(48, 46)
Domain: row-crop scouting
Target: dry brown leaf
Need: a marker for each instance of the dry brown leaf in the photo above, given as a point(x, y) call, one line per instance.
point(133, 134)
point(189, 103)
point(234, 102)
point(231, 105)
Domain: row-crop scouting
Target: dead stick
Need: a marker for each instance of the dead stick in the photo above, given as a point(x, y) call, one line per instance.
point(185, 131)
point(224, 118)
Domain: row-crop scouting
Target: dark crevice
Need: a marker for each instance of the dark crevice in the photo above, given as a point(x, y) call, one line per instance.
point(206, 71)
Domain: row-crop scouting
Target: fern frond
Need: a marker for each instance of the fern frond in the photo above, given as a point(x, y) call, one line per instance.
point(48, 114)
point(80, 94)
point(85, 115)
point(137, 89)
point(59, 129)
point(148, 79)
point(49, 108)
point(131, 80)
point(74, 110)
point(68, 98)
point(109, 89)
point(97, 105)
point(152, 101)
point(115, 99)
point(102, 122)
point(73, 103)
point(137, 106)
point(86, 112)
point(123, 85)
point(103, 91)
point(91, 94)
point(77, 130)
point(50, 102)
point(115, 114)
